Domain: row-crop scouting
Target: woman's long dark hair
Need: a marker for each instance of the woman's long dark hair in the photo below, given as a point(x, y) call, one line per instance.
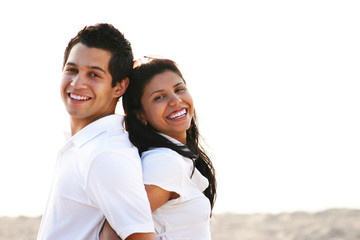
point(146, 137)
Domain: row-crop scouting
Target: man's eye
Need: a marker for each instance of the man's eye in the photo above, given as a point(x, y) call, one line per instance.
point(71, 70)
point(94, 75)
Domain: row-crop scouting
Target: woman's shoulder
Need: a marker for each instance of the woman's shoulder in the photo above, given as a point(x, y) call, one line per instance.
point(164, 157)
point(159, 152)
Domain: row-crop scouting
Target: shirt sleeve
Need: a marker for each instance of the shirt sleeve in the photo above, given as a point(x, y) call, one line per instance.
point(165, 169)
point(115, 185)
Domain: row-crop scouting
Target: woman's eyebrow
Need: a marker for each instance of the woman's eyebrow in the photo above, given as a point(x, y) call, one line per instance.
point(161, 90)
point(179, 83)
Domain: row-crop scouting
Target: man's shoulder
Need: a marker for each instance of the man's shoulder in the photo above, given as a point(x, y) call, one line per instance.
point(112, 147)
point(97, 132)
point(109, 140)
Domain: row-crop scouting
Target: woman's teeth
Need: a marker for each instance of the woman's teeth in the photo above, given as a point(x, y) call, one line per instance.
point(178, 114)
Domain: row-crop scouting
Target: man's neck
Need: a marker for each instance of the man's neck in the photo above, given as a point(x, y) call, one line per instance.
point(78, 124)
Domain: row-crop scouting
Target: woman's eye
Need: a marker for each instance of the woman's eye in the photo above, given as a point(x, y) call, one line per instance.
point(180, 89)
point(157, 98)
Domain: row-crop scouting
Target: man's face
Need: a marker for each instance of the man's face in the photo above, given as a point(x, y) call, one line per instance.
point(86, 85)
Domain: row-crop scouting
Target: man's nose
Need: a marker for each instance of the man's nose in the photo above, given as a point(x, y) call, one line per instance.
point(79, 82)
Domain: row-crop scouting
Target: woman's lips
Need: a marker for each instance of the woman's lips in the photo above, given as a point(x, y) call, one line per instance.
point(177, 114)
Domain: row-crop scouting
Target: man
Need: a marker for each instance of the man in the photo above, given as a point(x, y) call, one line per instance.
point(98, 172)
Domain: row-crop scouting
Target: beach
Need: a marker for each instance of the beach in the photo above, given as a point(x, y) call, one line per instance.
point(332, 224)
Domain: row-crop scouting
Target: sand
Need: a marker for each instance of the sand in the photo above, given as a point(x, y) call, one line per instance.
point(332, 224)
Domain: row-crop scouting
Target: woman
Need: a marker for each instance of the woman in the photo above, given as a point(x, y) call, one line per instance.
point(178, 175)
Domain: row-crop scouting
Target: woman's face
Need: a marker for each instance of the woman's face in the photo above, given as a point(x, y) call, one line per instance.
point(167, 105)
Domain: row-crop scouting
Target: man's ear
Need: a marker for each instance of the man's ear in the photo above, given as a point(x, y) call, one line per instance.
point(121, 87)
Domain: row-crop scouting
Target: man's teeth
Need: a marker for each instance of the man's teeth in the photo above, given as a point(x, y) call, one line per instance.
point(77, 97)
point(178, 114)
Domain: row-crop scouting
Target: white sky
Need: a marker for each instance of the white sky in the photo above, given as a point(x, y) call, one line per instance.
point(275, 83)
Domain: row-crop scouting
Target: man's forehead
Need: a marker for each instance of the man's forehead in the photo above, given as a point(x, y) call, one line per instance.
point(93, 58)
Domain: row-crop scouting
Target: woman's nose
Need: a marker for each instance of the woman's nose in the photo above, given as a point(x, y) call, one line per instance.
point(174, 99)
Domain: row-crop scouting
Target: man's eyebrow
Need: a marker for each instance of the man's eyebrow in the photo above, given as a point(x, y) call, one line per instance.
point(98, 68)
point(90, 67)
point(71, 64)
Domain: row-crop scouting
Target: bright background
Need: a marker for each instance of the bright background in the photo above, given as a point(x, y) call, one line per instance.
point(275, 83)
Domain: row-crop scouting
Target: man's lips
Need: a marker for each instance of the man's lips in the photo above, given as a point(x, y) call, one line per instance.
point(78, 97)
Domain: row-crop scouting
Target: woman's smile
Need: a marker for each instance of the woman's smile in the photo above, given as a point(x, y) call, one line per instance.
point(167, 105)
point(177, 114)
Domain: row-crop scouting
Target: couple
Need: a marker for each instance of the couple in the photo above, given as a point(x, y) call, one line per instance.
point(101, 189)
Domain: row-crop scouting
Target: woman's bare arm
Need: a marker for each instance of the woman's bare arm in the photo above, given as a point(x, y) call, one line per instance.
point(157, 197)
point(107, 233)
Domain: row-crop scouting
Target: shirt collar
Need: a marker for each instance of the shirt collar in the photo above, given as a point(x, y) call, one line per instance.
point(93, 129)
point(173, 140)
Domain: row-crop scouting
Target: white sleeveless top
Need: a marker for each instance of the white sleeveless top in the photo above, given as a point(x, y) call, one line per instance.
point(187, 217)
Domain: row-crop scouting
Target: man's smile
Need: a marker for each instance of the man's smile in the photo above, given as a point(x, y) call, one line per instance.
point(78, 97)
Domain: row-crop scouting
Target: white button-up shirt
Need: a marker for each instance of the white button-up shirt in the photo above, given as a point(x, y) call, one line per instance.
point(97, 176)
point(186, 217)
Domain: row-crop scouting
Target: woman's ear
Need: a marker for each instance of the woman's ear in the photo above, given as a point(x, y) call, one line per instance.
point(141, 118)
point(121, 87)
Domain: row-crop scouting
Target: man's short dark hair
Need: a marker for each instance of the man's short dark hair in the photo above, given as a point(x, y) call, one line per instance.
point(106, 37)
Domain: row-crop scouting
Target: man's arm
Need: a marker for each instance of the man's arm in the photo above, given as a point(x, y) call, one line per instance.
point(115, 186)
